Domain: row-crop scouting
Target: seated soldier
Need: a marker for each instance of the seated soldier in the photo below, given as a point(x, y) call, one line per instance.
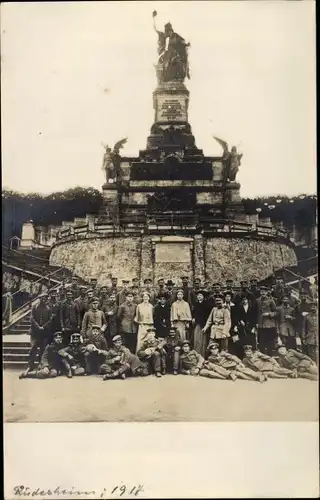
point(172, 348)
point(191, 361)
point(227, 366)
point(296, 361)
point(73, 356)
point(119, 362)
point(95, 350)
point(152, 351)
point(266, 364)
point(50, 365)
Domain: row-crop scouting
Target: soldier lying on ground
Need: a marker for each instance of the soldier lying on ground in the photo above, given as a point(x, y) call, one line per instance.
point(152, 352)
point(296, 361)
point(73, 356)
point(172, 348)
point(222, 365)
point(120, 362)
point(51, 364)
point(266, 364)
point(191, 361)
point(95, 350)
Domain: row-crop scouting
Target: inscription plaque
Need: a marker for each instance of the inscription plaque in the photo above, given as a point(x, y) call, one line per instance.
point(172, 252)
point(171, 109)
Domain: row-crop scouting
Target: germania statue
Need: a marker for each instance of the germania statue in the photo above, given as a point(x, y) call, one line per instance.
point(173, 54)
point(112, 161)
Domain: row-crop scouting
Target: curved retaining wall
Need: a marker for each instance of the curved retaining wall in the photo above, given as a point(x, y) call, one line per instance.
point(216, 259)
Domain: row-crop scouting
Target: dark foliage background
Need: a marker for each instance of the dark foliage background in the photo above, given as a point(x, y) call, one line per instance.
point(77, 202)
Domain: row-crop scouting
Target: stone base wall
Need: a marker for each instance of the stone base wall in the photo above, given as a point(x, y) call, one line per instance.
point(145, 256)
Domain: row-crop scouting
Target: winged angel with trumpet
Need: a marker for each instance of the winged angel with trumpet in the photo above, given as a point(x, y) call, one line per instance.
point(112, 161)
point(231, 159)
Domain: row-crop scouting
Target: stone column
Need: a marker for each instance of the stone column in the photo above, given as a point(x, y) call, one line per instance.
point(28, 235)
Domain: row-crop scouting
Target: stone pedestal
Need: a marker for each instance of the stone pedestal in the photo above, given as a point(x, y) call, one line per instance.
point(28, 235)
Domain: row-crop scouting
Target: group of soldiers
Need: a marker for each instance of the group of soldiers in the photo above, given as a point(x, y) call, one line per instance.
point(218, 331)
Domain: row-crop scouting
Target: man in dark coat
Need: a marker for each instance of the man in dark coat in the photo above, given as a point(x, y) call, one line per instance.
point(172, 348)
point(127, 326)
point(200, 313)
point(246, 326)
point(287, 323)
point(122, 294)
point(41, 320)
point(161, 317)
point(267, 322)
point(244, 292)
point(254, 288)
point(170, 292)
point(81, 301)
point(193, 292)
point(69, 317)
point(50, 365)
point(55, 307)
point(110, 311)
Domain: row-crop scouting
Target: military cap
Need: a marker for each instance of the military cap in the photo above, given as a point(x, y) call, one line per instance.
point(229, 281)
point(129, 292)
point(135, 279)
point(151, 329)
point(103, 286)
point(212, 345)
point(114, 278)
point(116, 337)
point(75, 334)
point(170, 283)
point(147, 280)
point(180, 290)
point(146, 293)
point(184, 277)
point(53, 291)
point(160, 279)
point(162, 296)
point(186, 342)
point(89, 290)
point(203, 292)
point(243, 282)
point(125, 281)
point(253, 280)
point(219, 296)
point(172, 329)
point(57, 333)
point(95, 327)
point(94, 299)
point(280, 345)
point(82, 287)
point(216, 284)
point(263, 288)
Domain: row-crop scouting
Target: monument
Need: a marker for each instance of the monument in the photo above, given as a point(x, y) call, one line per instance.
point(172, 210)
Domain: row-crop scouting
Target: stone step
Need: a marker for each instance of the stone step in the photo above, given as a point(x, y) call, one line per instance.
point(18, 365)
point(16, 349)
point(21, 358)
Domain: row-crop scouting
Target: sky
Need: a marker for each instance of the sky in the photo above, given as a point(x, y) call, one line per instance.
point(75, 75)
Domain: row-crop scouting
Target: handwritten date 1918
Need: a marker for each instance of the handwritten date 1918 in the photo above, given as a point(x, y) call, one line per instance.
point(123, 489)
point(117, 491)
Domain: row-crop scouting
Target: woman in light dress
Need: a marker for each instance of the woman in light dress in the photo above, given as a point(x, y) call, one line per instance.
point(144, 318)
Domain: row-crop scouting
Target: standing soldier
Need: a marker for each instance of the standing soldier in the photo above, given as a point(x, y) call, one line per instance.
point(103, 297)
point(267, 365)
point(41, 320)
point(114, 286)
point(310, 332)
point(200, 312)
point(254, 289)
point(193, 292)
point(94, 285)
point(152, 351)
point(244, 292)
point(287, 323)
point(296, 361)
point(81, 301)
point(69, 318)
point(181, 315)
point(161, 289)
point(229, 289)
point(110, 311)
point(121, 296)
point(73, 356)
point(170, 292)
point(162, 316)
point(219, 322)
point(246, 326)
point(191, 361)
point(55, 308)
point(267, 322)
point(127, 327)
point(149, 288)
point(74, 287)
point(186, 288)
point(93, 317)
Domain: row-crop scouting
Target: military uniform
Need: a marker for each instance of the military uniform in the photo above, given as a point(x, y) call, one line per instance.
point(73, 358)
point(225, 364)
point(70, 320)
point(92, 317)
point(152, 350)
point(172, 348)
point(267, 323)
point(120, 361)
point(310, 334)
point(190, 362)
point(127, 327)
point(41, 321)
point(260, 362)
point(95, 352)
point(294, 360)
point(287, 325)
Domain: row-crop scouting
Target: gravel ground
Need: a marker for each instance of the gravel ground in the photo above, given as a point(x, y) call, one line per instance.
point(169, 399)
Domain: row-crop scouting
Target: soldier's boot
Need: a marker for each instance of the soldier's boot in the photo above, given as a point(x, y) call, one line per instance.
point(309, 376)
point(158, 374)
point(243, 376)
point(25, 373)
point(232, 376)
point(274, 375)
point(211, 374)
point(123, 376)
